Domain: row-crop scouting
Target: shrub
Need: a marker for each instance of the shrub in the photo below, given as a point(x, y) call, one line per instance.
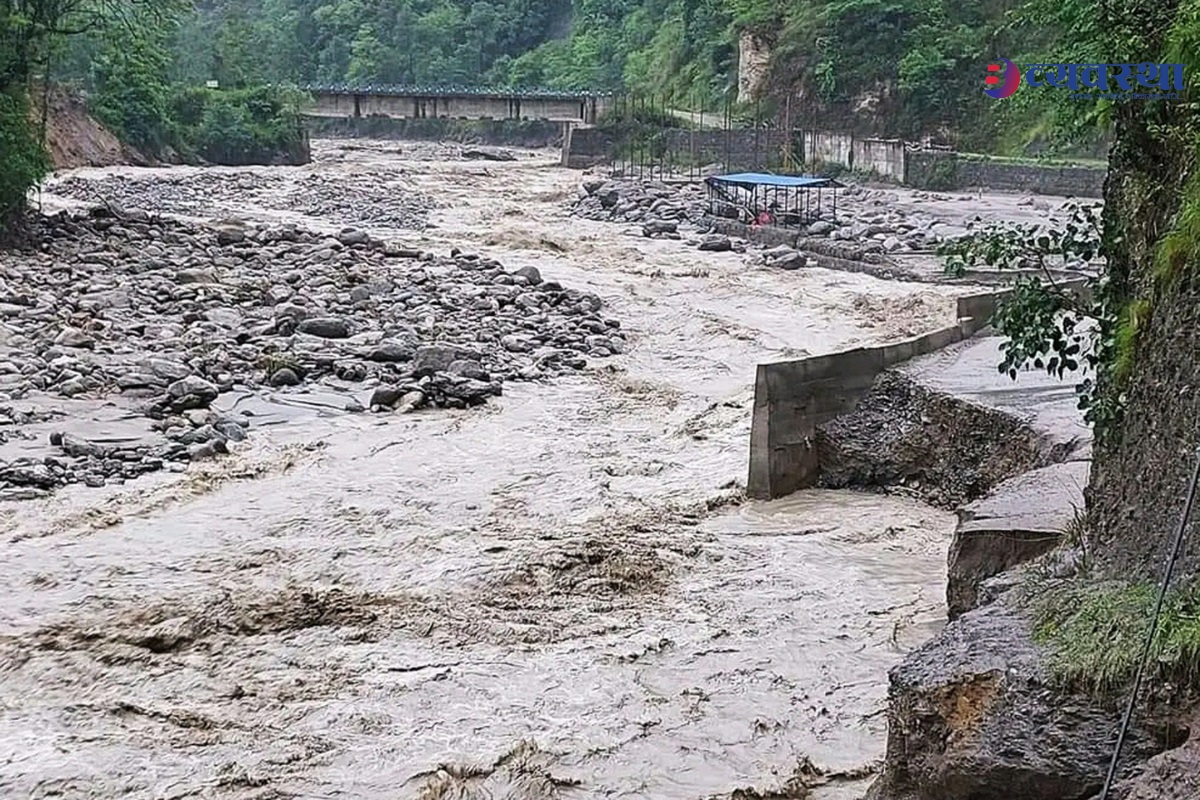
point(23, 159)
point(261, 125)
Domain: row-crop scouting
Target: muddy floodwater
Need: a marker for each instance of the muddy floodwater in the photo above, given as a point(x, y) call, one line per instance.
point(560, 594)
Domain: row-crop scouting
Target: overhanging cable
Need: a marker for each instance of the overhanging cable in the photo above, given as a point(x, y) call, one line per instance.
point(1168, 571)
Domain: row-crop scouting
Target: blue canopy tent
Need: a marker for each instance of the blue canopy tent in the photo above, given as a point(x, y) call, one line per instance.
point(786, 200)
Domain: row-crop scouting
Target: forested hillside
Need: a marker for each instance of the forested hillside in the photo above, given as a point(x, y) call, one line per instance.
point(905, 67)
point(897, 67)
point(908, 68)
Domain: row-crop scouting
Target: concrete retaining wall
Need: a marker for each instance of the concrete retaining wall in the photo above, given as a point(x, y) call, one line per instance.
point(511, 133)
point(791, 398)
point(448, 105)
point(761, 150)
point(587, 147)
point(955, 171)
point(883, 157)
point(737, 150)
point(828, 148)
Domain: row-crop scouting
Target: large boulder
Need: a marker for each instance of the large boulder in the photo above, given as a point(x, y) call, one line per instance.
point(1020, 519)
point(974, 715)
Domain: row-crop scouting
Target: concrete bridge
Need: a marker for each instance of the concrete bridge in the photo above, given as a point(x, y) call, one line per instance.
point(456, 103)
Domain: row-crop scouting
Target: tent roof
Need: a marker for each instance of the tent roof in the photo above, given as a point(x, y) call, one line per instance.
point(749, 180)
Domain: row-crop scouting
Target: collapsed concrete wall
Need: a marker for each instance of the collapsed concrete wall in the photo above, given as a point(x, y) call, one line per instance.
point(1022, 518)
point(947, 450)
point(792, 398)
point(586, 147)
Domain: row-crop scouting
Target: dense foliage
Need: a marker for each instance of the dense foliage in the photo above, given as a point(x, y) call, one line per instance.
point(906, 67)
point(902, 67)
point(246, 126)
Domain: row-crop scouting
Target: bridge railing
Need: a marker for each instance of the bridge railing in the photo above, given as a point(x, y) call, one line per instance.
point(399, 90)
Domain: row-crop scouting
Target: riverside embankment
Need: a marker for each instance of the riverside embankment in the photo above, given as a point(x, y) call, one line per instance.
point(560, 587)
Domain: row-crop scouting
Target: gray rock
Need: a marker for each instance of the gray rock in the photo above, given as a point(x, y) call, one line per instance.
point(285, 377)
point(487, 154)
point(352, 236)
point(468, 369)
point(975, 713)
point(439, 357)
point(391, 352)
point(1173, 775)
point(228, 234)
point(192, 392)
point(74, 337)
point(325, 327)
point(196, 276)
point(385, 396)
point(410, 401)
point(169, 370)
point(516, 343)
point(715, 242)
point(790, 261)
point(659, 227)
point(208, 450)
point(530, 274)
point(821, 228)
point(472, 392)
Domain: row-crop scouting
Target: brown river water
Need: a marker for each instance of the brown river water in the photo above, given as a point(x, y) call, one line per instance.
point(558, 595)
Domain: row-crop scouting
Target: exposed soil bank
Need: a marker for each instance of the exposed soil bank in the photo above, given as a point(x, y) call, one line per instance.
point(75, 139)
point(946, 450)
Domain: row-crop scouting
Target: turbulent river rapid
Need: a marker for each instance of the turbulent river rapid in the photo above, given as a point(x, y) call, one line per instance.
point(558, 594)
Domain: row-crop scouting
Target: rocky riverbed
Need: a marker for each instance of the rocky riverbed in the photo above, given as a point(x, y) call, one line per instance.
point(861, 215)
point(895, 231)
point(175, 314)
point(562, 586)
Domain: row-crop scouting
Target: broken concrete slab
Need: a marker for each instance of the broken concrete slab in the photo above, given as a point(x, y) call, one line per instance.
point(1021, 519)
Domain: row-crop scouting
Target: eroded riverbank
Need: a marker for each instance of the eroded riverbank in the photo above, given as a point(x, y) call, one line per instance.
point(368, 605)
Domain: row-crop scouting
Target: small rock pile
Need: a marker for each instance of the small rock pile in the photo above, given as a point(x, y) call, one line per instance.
point(656, 205)
point(174, 315)
point(377, 203)
point(199, 194)
point(865, 216)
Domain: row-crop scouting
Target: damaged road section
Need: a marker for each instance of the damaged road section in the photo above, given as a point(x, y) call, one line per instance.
point(947, 450)
point(161, 318)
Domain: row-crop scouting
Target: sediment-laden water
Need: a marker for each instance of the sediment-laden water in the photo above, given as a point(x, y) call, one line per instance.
point(557, 594)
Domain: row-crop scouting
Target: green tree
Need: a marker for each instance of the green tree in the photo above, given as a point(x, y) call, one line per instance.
point(129, 76)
